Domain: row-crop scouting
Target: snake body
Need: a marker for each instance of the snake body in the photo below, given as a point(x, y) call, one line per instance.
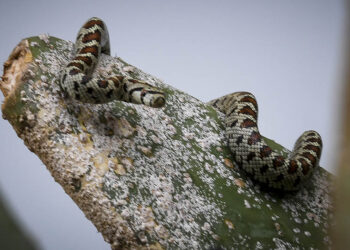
point(77, 81)
point(248, 147)
point(255, 157)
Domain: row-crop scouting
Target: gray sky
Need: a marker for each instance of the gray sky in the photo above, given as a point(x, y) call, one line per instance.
point(286, 52)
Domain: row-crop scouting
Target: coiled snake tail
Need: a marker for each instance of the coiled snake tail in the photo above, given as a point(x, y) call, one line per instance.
point(255, 157)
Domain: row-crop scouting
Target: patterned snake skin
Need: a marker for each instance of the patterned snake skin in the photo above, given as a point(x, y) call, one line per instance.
point(248, 147)
point(255, 157)
point(77, 82)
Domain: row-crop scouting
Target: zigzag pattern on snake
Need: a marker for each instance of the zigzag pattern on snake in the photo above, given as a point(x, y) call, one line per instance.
point(255, 157)
point(77, 82)
point(248, 147)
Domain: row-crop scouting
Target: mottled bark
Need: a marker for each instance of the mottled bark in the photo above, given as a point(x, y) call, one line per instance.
point(156, 178)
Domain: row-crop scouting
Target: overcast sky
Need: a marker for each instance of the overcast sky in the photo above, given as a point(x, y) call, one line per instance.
point(287, 52)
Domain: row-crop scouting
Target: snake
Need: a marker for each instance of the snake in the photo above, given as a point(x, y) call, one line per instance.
point(252, 154)
point(248, 147)
point(77, 79)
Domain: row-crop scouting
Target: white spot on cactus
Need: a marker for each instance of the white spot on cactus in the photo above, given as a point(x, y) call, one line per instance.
point(34, 44)
point(145, 150)
point(171, 129)
point(247, 204)
point(298, 220)
point(128, 68)
point(45, 38)
point(43, 78)
point(155, 139)
point(206, 226)
point(229, 224)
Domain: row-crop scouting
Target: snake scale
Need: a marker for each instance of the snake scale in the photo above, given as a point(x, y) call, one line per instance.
point(248, 147)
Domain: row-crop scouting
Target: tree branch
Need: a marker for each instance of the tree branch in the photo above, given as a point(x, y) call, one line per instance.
point(158, 178)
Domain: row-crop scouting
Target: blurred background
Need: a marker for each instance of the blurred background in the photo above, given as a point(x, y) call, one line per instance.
point(288, 53)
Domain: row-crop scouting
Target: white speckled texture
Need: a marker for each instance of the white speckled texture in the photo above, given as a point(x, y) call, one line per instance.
point(157, 178)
